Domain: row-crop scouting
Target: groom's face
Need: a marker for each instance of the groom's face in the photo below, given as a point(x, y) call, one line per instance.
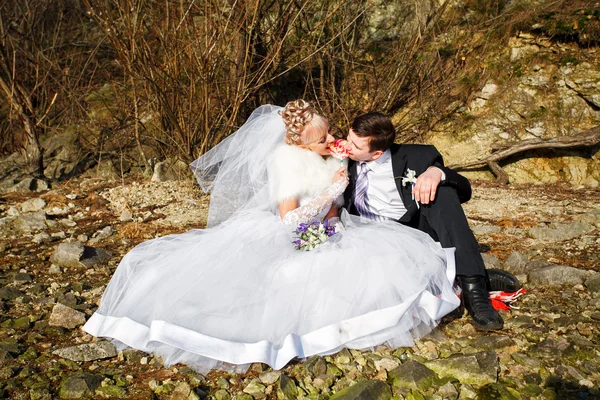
point(359, 148)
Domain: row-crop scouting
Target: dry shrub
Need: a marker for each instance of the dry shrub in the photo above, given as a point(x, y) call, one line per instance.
point(184, 74)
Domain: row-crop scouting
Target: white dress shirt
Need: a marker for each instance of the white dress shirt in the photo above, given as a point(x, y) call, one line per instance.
point(382, 194)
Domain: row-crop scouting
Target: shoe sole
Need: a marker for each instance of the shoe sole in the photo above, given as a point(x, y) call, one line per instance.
point(490, 327)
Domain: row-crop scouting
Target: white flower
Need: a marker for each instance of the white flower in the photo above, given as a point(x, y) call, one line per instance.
point(410, 177)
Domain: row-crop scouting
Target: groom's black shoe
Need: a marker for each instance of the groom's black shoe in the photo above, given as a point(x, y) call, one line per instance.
point(502, 281)
point(476, 300)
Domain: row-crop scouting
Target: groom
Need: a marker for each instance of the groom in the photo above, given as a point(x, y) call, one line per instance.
point(430, 203)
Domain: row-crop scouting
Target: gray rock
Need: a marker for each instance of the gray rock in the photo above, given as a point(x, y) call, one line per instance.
point(65, 157)
point(88, 351)
point(126, 216)
point(316, 366)
point(490, 261)
point(30, 222)
point(32, 205)
point(255, 389)
point(287, 389)
point(269, 377)
point(557, 275)
point(104, 170)
point(66, 317)
point(516, 263)
point(592, 217)
point(386, 363)
point(485, 229)
point(448, 391)
point(75, 254)
point(29, 185)
point(133, 356)
point(67, 222)
point(561, 232)
point(171, 170)
point(68, 254)
point(412, 375)
point(10, 293)
point(477, 369)
point(183, 391)
point(54, 269)
point(531, 363)
point(42, 237)
point(493, 342)
point(22, 277)
point(365, 390)
point(109, 391)
point(79, 385)
point(222, 394)
point(495, 391)
point(593, 283)
point(586, 82)
point(102, 234)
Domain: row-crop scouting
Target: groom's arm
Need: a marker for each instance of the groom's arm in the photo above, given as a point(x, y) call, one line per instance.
point(453, 178)
point(435, 174)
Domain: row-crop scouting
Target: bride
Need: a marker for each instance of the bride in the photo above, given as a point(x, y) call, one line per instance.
point(239, 292)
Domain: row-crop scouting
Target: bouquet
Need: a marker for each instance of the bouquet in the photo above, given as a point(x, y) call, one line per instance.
point(310, 236)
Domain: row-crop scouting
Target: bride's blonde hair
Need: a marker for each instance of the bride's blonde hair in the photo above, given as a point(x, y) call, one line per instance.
point(297, 116)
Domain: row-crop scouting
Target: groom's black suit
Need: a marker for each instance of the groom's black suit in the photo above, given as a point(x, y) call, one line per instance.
point(443, 219)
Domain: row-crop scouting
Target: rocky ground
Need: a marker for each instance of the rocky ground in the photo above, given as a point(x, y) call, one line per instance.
point(59, 247)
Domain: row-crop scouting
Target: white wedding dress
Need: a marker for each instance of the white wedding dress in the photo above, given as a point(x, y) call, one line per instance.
point(239, 292)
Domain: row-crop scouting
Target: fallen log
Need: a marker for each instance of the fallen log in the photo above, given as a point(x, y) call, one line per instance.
point(588, 138)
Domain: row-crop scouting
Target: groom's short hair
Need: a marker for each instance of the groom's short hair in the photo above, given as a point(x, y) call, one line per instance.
point(377, 127)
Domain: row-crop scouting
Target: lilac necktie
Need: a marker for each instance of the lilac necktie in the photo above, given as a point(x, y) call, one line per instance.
point(360, 193)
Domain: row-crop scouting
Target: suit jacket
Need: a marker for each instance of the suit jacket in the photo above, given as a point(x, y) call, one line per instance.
point(417, 158)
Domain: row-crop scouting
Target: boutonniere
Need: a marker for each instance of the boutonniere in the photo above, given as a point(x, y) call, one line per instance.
point(410, 178)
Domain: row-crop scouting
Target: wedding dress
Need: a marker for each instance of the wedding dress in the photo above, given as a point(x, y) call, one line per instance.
point(238, 291)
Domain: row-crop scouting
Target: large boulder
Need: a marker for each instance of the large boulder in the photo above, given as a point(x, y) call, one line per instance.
point(172, 170)
point(76, 254)
point(66, 317)
point(474, 369)
point(88, 351)
point(64, 156)
point(365, 390)
point(557, 275)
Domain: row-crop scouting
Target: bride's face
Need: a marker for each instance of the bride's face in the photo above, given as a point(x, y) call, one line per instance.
point(317, 136)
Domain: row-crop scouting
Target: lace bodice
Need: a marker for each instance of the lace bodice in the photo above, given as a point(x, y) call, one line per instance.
point(307, 212)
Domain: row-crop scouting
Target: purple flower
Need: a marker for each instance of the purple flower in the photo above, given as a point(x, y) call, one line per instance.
point(302, 228)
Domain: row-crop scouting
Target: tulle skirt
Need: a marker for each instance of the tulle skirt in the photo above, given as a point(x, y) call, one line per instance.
point(240, 293)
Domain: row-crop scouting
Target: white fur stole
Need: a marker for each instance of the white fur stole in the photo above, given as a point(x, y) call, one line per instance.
point(299, 173)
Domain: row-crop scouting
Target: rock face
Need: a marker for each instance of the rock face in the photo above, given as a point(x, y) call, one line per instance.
point(64, 157)
point(546, 99)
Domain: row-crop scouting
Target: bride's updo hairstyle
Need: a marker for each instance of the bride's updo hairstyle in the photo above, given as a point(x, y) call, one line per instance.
point(299, 117)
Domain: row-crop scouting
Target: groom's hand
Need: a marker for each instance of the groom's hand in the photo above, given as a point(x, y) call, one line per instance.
point(426, 186)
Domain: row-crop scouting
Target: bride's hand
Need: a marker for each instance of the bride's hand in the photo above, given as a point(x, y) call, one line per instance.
point(340, 175)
